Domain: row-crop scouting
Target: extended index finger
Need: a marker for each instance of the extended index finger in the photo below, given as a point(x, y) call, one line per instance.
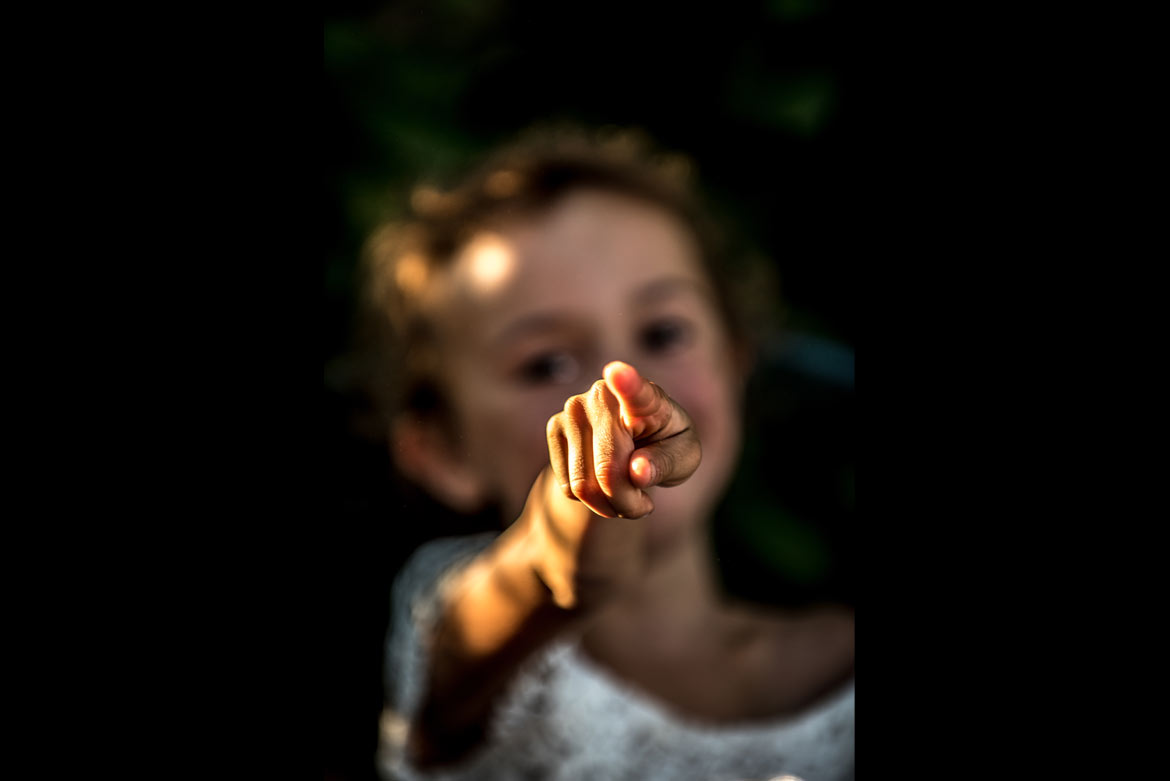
point(645, 408)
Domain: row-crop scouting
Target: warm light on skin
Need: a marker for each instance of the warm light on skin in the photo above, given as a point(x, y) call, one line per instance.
point(527, 315)
point(584, 282)
point(487, 626)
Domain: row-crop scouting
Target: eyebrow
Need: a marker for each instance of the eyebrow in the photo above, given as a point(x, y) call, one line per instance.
point(535, 323)
point(653, 292)
point(669, 287)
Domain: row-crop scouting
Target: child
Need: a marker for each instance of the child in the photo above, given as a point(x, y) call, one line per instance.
point(567, 352)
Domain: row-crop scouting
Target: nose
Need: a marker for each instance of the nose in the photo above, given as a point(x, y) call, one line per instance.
point(612, 342)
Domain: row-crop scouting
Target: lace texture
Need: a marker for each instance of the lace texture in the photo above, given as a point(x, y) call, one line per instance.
point(564, 718)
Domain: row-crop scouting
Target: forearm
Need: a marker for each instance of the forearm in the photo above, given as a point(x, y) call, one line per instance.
point(494, 616)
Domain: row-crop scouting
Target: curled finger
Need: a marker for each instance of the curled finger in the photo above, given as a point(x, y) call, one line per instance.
point(579, 459)
point(558, 454)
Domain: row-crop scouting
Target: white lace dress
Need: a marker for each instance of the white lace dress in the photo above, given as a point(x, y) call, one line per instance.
point(564, 718)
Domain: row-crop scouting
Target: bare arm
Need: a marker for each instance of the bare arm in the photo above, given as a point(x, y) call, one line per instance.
point(577, 543)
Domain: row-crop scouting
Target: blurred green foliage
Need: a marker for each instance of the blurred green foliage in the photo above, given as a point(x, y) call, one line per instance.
point(752, 93)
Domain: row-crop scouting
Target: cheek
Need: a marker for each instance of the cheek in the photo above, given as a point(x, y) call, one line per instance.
point(712, 406)
point(526, 454)
point(710, 397)
point(713, 410)
point(506, 442)
point(530, 442)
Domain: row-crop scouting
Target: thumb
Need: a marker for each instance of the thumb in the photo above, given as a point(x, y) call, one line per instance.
point(667, 462)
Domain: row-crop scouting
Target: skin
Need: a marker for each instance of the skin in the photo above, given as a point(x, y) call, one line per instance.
point(600, 278)
point(596, 396)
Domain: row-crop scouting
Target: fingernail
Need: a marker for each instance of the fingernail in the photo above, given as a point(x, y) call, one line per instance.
point(644, 468)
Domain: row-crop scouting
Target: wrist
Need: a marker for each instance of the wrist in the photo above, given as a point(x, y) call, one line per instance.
point(537, 549)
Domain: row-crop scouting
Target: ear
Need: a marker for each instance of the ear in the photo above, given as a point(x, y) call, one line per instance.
point(423, 452)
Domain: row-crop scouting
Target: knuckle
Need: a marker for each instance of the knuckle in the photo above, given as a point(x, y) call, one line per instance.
point(608, 476)
point(553, 427)
point(583, 488)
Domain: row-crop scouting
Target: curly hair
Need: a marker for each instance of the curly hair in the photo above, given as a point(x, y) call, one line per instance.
point(402, 260)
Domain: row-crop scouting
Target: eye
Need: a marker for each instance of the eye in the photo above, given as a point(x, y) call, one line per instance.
point(555, 366)
point(664, 335)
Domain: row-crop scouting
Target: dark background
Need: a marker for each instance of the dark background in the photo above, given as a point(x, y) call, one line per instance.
point(758, 95)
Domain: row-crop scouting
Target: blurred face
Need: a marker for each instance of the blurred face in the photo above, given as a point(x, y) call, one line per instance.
point(533, 312)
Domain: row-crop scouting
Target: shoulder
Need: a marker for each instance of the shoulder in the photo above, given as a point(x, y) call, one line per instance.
point(413, 609)
point(432, 560)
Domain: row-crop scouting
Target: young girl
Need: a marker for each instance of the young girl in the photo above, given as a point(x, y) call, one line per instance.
point(565, 350)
